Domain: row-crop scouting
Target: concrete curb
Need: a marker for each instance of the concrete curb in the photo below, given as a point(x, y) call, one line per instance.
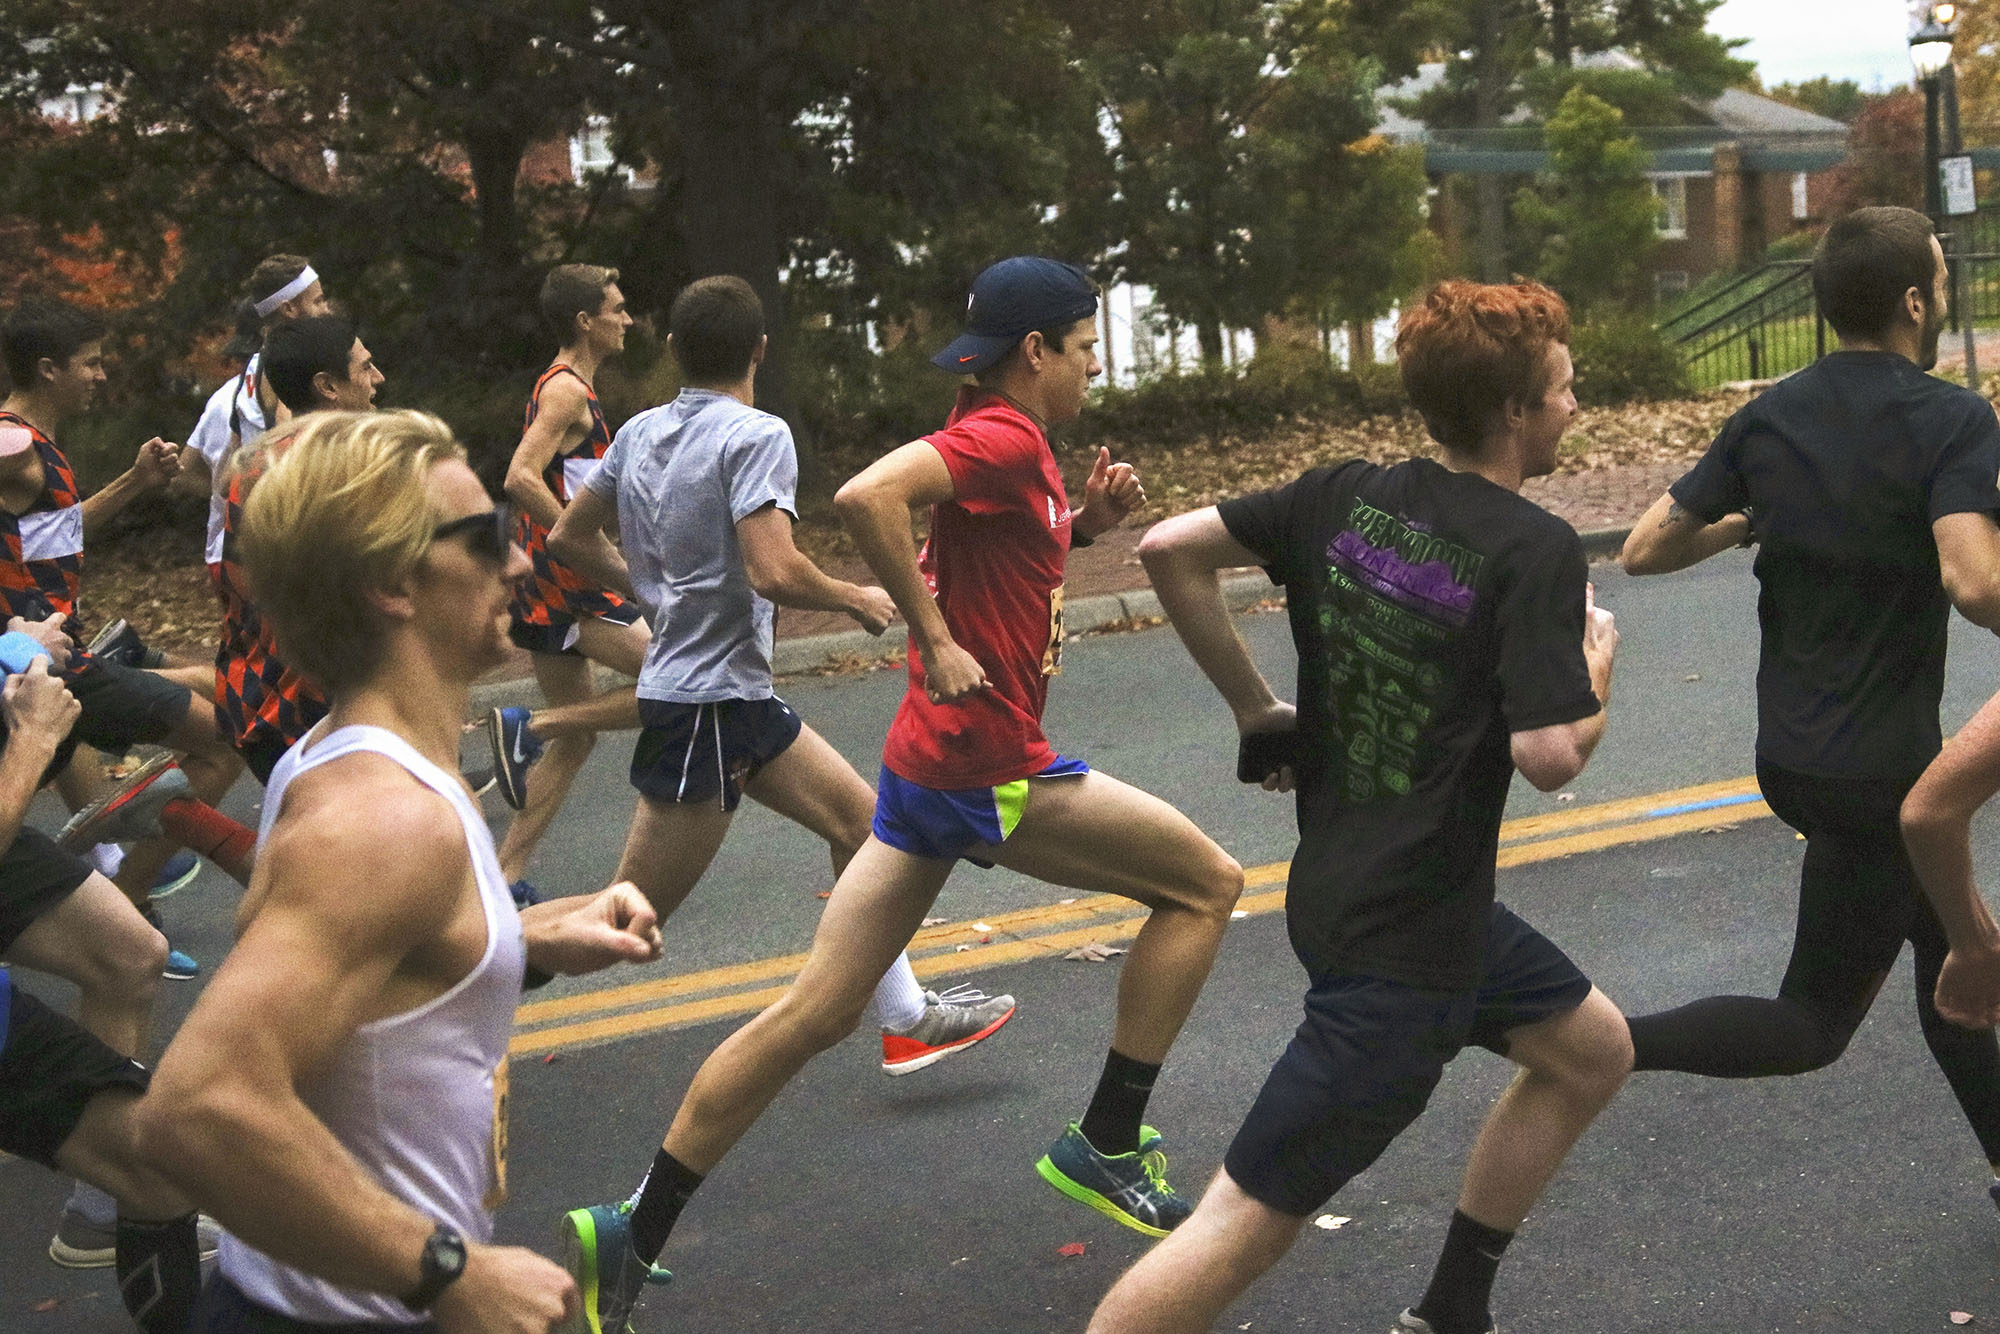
point(793, 656)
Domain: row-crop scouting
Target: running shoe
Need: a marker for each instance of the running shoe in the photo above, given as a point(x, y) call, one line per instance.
point(119, 643)
point(180, 964)
point(177, 874)
point(129, 811)
point(525, 894)
point(1129, 1188)
point(1993, 1191)
point(82, 1244)
point(1409, 1322)
point(597, 1252)
point(514, 749)
point(951, 1022)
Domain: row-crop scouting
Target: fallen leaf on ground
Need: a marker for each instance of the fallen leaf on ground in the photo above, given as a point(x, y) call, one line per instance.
point(1718, 829)
point(961, 1259)
point(1071, 1249)
point(1565, 796)
point(47, 1304)
point(1065, 900)
point(961, 948)
point(1094, 952)
point(1331, 1222)
point(1692, 676)
point(986, 940)
point(933, 921)
point(1961, 1317)
point(824, 894)
point(550, 1059)
point(981, 926)
point(1238, 914)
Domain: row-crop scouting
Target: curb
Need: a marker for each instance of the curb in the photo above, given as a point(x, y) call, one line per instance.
point(793, 656)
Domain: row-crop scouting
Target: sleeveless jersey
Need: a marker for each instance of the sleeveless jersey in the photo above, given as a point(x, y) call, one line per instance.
point(257, 696)
point(415, 1097)
point(43, 568)
point(233, 416)
point(554, 594)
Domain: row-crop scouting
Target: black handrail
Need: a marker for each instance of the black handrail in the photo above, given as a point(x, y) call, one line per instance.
point(1799, 278)
point(1681, 317)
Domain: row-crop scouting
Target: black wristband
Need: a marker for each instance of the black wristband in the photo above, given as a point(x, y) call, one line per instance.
point(1077, 541)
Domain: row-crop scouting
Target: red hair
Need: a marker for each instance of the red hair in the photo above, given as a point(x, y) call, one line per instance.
point(1467, 349)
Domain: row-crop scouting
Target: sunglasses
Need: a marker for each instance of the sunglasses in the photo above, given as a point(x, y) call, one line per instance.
point(487, 534)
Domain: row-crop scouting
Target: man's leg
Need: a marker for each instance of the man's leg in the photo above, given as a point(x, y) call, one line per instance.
point(1095, 833)
point(1188, 1280)
point(1969, 1058)
point(622, 648)
point(96, 939)
point(563, 679)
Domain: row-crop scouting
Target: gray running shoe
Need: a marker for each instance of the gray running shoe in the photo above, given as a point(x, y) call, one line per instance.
point(951, 1022)
point(129, 811)
point(1409, 1322)
point(82, 1244)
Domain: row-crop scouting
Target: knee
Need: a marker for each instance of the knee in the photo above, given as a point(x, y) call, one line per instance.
point(821, 1023)
point(1215, 883)
point(1602, 1067)
point(126, 967)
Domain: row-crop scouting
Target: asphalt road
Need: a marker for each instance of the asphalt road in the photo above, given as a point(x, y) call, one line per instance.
point(1848, 1200)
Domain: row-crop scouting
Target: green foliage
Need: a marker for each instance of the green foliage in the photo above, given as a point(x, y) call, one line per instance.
point(1594, 207)
point(1839, 99)
point(1211, 403)
point(1621, 358)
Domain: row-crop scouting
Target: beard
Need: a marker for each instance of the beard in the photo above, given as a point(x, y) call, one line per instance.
point(1927, 347)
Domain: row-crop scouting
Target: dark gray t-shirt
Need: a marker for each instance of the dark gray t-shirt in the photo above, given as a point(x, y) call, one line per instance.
point(683, 474)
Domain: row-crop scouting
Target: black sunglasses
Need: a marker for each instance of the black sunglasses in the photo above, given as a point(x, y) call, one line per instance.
point(487, 534)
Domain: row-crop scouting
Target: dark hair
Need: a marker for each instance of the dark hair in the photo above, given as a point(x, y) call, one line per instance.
point(571, 290)
point(1467, 349)
point(271, 276)
point(43, 328)
point(1053, 337)
point(1864, 264)
point(297, 350)
point(716, 325)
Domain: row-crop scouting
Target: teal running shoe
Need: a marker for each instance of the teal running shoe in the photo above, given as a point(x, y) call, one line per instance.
point(597, 1252)
point(1129, 1188)
point(177, 874)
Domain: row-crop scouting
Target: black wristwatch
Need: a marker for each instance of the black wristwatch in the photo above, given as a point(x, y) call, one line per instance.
point(443, 1261)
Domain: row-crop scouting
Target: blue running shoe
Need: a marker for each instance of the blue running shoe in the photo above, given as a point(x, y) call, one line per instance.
point(177, 874)
point(597, 1252)
point(514, 749)
point(1129, 1188)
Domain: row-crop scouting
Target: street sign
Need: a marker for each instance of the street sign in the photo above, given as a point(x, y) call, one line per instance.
point(1955, 183)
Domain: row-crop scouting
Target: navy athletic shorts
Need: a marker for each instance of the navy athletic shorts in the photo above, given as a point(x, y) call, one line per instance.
point(691, 753)
point(50, 1069)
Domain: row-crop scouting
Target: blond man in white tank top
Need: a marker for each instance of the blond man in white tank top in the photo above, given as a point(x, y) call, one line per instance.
point(335, 1098)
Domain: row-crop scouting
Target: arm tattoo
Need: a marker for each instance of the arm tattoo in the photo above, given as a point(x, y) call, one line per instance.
point(1675, 514)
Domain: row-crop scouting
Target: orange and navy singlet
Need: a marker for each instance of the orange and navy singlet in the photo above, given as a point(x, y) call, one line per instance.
point(43, 568)
point(260, 702)
point(555, 597)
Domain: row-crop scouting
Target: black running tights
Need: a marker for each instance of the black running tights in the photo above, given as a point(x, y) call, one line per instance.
point(1858, 902)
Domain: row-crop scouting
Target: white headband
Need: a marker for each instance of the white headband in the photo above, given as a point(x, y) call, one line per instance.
point(291, 289)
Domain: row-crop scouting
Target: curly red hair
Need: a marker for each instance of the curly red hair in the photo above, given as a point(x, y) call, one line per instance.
point(1467, 349)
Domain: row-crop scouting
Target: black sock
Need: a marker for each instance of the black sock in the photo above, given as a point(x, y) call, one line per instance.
point(159, 1272)
point(662, 1196)
point(1462, 1285)
point(1111, 1123)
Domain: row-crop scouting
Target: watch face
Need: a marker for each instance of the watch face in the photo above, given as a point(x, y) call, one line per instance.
point(449, 1249)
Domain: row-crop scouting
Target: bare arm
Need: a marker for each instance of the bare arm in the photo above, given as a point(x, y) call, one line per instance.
point(875, 506)
point(779, 571)
point(1669, 538)
point(362, 881)
point(39, 711)
point(1549, 757)
point(157, 464)
point(1969, 563)
point(579, 540)
point(1937, 830)
point(1182, 556)
point(563, 419)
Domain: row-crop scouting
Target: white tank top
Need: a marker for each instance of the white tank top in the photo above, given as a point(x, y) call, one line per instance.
point(412, 1096)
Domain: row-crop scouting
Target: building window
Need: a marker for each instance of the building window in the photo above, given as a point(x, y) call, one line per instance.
point(1801, 198)
point(1673, 196)
point(590, 151)
point(1670, 285)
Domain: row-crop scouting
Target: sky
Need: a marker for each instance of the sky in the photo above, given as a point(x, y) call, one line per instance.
point(1794, 40)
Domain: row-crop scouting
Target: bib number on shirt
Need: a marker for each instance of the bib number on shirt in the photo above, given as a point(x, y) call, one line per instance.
point(496, 1191)
point(1052, 655)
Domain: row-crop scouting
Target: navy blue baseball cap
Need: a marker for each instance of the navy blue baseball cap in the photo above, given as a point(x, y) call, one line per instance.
point(1009, 301)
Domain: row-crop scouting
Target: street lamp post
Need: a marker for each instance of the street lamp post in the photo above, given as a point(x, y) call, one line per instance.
point(1930, 55)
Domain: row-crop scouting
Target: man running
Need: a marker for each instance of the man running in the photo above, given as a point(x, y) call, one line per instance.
point(313, 364)
point(1869, 488)
point(66, 1093)
point(701, 491)
point(1445, 639)
point(337, 1096)
point(564, 620)
point(967, 773)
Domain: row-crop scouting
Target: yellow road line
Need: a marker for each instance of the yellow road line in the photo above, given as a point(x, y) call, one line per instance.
point(950, 948)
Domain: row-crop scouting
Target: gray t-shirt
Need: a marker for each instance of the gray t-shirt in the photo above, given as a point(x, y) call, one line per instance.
point(683, 474)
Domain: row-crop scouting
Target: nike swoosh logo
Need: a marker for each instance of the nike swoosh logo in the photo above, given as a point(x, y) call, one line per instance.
point(520, 755)
point(973, 357)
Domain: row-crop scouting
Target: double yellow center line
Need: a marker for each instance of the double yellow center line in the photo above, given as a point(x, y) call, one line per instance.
point(1054, 929)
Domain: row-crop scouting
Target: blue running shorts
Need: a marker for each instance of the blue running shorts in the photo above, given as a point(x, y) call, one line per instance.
point(947, 823)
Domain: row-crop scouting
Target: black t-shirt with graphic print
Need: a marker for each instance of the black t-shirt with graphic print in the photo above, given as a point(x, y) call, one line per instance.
point(1434, 613)
point(1844, 467)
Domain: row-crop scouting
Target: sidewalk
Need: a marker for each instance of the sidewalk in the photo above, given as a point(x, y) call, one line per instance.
point(1106, 582)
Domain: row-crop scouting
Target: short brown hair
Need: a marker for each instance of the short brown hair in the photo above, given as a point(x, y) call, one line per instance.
point(271, 276)
point(1467, 349)
point(571, 290)
point(716, 324)
point(1864, 264)
point(343, 510)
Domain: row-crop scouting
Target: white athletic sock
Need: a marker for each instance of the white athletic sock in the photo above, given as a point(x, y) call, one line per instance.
point(108, 858)
point(899, 1001)
point(96, 1208)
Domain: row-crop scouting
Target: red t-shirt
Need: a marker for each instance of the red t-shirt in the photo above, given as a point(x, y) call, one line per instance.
point(994, 561)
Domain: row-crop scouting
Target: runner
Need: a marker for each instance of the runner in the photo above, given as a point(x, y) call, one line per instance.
point(701, 491)
point(967, 773)
point(1869, 488)
point(313, 364)
point(337, 1097)
point(1445, 638)
point(66, 1093)
point(54, 359)
point(1937, 830)
point(565, 621)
